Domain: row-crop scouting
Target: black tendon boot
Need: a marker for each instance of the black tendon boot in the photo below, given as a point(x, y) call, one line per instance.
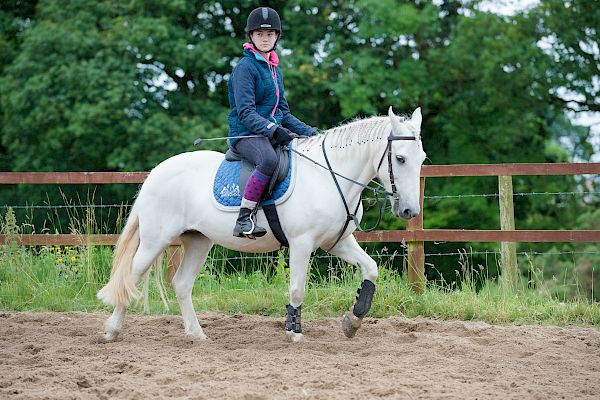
point(245, 226)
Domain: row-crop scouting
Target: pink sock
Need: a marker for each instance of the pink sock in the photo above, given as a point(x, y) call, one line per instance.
point(256, 186)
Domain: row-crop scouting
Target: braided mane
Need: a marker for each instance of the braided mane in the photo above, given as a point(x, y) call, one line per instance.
point(357, 132)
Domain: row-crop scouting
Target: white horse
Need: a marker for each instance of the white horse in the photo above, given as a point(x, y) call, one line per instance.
point(175, 202)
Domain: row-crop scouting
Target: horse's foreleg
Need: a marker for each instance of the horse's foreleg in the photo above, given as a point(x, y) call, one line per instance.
point(349, 250)
point(299, 261)
point(196, 250)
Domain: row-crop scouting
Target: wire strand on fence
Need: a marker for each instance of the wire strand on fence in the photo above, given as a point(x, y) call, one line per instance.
point(70, 206)
point(433, 197)
point(403, 254)
point(521, 253)
point(522, 194)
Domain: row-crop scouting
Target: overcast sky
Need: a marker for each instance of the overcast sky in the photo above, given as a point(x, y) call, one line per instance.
point(506, 7)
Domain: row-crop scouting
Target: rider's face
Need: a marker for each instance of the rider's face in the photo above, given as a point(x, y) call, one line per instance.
point(264, 39)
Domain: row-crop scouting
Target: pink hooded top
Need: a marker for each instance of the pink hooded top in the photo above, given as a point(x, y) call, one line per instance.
point(273, 62)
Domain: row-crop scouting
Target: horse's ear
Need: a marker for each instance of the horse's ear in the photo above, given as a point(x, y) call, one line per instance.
point(416, 118)
point(394, 120)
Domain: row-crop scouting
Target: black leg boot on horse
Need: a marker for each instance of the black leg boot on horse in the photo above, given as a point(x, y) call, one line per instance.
point(245, 225)
point(353, 319)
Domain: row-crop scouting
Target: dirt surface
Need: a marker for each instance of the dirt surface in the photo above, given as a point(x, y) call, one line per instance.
point(56, 356)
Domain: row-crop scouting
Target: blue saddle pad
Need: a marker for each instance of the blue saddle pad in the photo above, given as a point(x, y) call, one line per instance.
point(226, 187)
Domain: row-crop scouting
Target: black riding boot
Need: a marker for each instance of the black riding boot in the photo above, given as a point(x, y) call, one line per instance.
point(245, 226)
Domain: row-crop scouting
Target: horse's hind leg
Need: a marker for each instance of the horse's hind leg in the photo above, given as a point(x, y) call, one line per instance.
point(147, 251)
point(196, 248)
point(349, 250)
point(113, 325)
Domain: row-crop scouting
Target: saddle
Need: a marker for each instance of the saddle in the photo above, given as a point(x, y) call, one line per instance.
point(231, 178)
point(280, 173)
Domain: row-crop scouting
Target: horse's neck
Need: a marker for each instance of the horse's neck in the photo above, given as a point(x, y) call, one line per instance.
point(352, 150)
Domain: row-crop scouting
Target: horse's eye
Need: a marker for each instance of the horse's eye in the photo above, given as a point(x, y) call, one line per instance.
point(401, 159)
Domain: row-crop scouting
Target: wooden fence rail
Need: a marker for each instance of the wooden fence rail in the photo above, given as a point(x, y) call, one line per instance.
point(414, 235)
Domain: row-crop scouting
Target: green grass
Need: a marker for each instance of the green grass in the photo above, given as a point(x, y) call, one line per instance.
point(67, 279)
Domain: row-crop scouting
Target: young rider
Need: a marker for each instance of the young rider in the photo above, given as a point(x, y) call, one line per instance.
point(259, 108)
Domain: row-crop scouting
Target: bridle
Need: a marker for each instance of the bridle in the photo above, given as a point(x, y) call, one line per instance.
point(394, 193)
point(388, 151)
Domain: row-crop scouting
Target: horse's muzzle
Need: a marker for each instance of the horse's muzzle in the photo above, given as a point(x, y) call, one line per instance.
point(409, 213)
point(404, 212)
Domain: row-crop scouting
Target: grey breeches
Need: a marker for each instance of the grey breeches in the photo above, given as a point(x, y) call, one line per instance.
point(260, 152)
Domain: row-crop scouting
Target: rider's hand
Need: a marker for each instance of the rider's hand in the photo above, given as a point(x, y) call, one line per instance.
point(283, 136)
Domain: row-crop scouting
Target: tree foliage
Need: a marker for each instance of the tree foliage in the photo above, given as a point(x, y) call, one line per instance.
point(568, 30)
point(119, 86)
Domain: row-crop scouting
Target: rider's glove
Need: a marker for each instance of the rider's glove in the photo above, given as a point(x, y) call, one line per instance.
point(282, 136)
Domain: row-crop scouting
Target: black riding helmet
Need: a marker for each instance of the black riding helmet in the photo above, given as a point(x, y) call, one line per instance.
point(263, 18)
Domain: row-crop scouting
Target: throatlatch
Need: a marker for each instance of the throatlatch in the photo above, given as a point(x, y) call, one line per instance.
point(293, 322)
point(364, 296)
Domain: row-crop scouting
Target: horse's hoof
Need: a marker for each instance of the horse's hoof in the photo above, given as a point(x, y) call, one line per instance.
point(197, 337)
point(294, 337)
point(108, 337)
point(196, 333)
point(350, 324)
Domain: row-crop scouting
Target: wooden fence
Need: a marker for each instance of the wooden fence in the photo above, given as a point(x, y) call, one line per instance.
point(414, 235)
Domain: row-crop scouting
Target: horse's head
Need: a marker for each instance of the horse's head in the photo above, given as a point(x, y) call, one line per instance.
point(400, 166)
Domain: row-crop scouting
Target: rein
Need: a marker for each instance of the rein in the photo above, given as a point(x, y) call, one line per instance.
point(352, 216)
point(375, 190)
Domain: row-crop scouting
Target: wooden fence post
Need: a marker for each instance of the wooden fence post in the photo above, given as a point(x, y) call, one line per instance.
point(508, 250)
point(416, 251)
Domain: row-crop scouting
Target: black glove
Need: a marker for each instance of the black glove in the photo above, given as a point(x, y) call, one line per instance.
point(282, 136)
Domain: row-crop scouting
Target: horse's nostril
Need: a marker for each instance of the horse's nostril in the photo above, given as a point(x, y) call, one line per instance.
point(407, 212)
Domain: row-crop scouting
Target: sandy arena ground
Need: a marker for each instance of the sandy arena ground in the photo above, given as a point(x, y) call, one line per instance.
point(56, 356)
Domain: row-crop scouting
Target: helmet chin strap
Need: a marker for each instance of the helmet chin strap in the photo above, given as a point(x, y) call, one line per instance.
point(268, 51)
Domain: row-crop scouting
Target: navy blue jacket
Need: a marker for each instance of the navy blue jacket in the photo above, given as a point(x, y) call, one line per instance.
point(252, 98)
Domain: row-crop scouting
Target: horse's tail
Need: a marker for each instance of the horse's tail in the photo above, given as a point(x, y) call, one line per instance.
point(120, 288)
